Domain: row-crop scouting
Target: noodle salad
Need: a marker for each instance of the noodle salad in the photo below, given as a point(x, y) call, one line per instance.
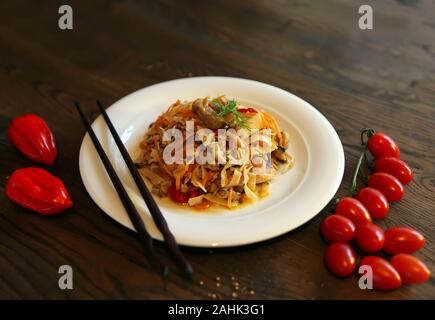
point(213, 152)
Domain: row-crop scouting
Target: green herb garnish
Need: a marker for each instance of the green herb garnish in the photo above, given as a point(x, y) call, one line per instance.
point(230, 108)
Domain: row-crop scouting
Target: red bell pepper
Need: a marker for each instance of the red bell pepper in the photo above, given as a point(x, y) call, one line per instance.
point(32, 136)
point(38, 190)
point(176, 195)
point(180, 197)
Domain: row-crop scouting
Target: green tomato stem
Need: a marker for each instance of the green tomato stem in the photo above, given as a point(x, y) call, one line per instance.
point(353, 188)
point(365, 132)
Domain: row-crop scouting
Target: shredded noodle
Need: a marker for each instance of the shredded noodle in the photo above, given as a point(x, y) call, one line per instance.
point(244, 176)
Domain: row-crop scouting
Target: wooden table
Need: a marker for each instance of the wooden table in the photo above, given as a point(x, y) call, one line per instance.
point(383, 78)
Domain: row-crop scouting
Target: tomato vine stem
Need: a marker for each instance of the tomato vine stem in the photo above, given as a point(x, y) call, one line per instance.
point(366, 132)
point(354, 185)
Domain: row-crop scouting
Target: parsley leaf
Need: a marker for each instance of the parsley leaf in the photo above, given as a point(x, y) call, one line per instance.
point(230, 108)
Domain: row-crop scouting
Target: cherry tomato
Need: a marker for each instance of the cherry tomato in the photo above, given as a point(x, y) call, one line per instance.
point(375, 202)
point(370, 238)
point(403, 240)
point(354, 210)
point(340, 259)
point(395, 167)
point(389, 185)
point(336, 228)
point(381, 145)
point(385, 277)
point(411, 269)
point(177, 196)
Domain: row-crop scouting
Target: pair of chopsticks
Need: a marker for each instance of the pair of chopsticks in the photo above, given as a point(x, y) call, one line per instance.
point(159, 220)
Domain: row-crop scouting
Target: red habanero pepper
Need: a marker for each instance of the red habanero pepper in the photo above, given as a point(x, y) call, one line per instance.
point(38, 190)
point(32, 136)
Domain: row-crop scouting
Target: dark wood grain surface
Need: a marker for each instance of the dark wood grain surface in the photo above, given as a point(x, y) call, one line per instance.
point(383, 78)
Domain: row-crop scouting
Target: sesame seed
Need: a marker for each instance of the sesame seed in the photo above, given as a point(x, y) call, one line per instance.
point(234, 295)
point(201, 283)
point(252, 292)
point(218, 278)
point(218, 284)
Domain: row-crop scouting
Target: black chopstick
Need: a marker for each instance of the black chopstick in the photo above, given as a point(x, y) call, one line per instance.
point(145, 238)
point(155, 212)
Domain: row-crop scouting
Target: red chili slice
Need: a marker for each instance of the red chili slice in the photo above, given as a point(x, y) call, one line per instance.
point(247, 110)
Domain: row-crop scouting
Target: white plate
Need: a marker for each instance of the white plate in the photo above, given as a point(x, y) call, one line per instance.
point(296, 196)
